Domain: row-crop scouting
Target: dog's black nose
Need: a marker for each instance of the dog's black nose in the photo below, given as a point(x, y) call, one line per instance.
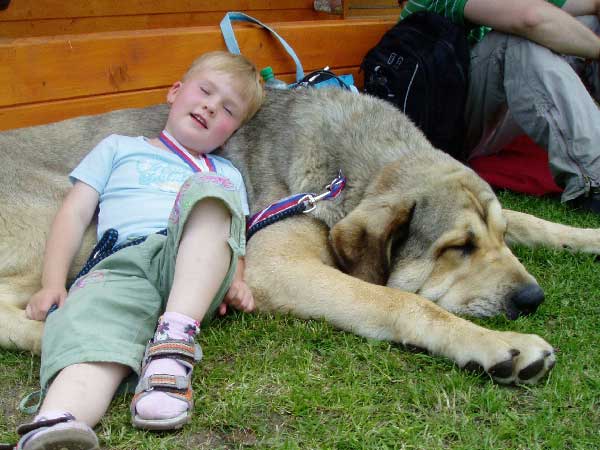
point(526, 300)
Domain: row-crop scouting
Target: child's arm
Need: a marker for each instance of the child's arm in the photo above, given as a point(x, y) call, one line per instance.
point(64, 241)
point(239, 295)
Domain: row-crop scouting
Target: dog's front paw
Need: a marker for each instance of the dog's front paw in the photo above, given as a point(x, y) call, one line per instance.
point(517, 358)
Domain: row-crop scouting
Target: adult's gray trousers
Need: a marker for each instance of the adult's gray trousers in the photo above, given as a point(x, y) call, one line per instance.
point(517, 86)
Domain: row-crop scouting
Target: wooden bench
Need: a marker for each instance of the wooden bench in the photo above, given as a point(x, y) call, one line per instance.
point(50, 78)
point(27, 18)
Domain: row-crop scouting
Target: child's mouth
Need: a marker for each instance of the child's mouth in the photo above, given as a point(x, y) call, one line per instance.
point(199, 119)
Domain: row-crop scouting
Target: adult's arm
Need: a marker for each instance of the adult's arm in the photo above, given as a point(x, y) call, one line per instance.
point(582, 7)
point(541, 22)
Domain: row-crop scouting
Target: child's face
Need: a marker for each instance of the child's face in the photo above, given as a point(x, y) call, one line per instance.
point(206, 109)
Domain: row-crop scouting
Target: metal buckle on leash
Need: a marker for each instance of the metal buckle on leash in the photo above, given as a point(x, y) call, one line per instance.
point(312, 199)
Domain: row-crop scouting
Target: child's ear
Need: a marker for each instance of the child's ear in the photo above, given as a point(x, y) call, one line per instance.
point(172, 94)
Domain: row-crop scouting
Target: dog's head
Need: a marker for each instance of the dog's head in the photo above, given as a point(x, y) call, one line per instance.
point(436, 230)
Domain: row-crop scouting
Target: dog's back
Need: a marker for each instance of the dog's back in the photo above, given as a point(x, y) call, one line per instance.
point(306, 136)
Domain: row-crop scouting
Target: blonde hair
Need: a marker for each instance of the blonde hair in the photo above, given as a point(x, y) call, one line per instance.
point(238, 67)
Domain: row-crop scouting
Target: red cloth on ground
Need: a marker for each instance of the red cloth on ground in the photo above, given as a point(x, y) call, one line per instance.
point(521, 166)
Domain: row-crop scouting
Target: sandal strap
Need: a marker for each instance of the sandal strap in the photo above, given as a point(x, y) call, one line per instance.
point(163, 382)
point(185, 351)
point(27, 427)
point(173, 388)
point(187, 396)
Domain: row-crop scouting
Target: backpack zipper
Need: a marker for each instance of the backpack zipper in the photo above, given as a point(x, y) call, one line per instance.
point(408, 88)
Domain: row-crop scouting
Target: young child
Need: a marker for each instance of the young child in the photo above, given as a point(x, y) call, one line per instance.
point(105, 329)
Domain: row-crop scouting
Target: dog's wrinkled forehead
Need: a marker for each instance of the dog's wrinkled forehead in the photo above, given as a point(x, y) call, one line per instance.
point(463, 203)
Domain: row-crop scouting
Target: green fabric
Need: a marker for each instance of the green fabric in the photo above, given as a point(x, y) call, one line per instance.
point(454, 10)
point(112, 312)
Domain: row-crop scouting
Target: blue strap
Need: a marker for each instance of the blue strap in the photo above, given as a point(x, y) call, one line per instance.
point(232, 44)
point(30, 404)
point(105, 248)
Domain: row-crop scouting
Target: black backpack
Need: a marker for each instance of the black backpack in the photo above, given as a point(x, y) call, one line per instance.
point(421, 65)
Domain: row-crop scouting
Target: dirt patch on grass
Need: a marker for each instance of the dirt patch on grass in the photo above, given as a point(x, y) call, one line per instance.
point(210, 439)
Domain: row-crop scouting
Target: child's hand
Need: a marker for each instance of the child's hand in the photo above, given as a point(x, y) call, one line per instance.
point(239, 296)
point(42, 301)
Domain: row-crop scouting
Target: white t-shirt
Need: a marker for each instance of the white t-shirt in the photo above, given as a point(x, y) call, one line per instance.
point(138, 184)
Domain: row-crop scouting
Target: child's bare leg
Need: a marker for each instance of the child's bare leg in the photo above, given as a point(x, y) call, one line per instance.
point(202, 263)
point(84, 390)
point(75, 402)
point(202, 260)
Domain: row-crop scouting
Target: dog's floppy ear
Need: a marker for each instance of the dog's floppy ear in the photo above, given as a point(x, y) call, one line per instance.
point(361, 240)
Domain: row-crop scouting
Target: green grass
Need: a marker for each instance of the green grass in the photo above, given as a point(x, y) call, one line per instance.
point(283, 383)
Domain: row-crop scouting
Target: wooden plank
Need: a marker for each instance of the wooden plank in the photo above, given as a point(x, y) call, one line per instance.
point(372, 4)
point(47, 112)
point(79, 25)
point(373, 13)
point(371, 8)
point(97, 64)
point(60, 9)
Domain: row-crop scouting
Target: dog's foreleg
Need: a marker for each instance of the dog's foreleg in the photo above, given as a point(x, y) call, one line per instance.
point(531, 231)
point(289, 270)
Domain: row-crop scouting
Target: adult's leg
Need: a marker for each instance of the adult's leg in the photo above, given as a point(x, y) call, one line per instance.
point(489, 125)
point(588, 71)
point(550, 103)
point(547, 101)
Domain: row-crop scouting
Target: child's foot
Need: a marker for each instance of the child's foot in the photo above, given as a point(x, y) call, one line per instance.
point(159, 405)
point(163, 396)
point(62, 432)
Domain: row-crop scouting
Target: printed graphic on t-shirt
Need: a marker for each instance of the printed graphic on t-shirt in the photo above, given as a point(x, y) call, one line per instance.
point(223, 182)
point(161, 176)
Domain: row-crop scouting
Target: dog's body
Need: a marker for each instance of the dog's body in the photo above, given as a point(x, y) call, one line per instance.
point(410, 217)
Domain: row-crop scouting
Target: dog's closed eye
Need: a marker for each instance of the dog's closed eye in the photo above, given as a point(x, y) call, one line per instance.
point(463, 245)
point(465, 249)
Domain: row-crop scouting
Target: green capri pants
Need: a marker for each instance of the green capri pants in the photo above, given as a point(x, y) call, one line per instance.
point(112, 312)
